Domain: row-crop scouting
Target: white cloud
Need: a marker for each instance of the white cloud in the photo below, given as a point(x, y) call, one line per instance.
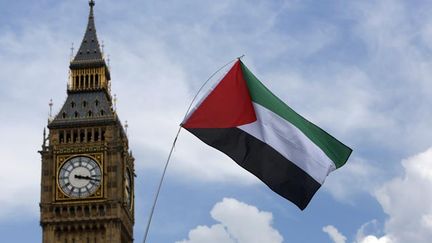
point(238, 223)
point(27, 80)
point(398, 68)
point(367, 232)
point(214, 234)
point(338, 237)
point(427, 221)
point(20, 176)
point(373, 239)
point(407, 200)
point(334, 234)
point(368, 228)
point(357, 176)
point(164, 67)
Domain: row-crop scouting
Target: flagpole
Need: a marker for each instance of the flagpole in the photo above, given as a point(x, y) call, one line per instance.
point(173, 145)
point(160, 185)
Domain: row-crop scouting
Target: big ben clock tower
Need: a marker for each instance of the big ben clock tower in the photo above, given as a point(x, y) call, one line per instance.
point(87, 180)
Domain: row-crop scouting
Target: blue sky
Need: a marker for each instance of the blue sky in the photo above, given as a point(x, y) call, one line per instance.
point(359, 69)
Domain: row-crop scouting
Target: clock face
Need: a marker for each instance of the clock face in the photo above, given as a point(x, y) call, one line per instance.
point(128, 189)
point(80, 177)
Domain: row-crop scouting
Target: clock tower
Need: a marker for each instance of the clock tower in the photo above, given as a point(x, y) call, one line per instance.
point(87, 180)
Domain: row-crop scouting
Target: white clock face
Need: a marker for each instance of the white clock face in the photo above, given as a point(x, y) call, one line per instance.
point(80, 177)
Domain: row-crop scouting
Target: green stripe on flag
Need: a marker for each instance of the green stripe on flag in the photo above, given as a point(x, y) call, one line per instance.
point(334, 149)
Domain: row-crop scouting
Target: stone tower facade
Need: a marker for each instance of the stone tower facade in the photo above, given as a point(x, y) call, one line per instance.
point(87, 180)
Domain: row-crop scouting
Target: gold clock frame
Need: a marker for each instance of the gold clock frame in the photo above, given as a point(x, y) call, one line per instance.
point(60, 196)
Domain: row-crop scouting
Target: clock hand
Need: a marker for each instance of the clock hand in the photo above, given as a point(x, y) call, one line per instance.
point(91, 179)
point(86, 178)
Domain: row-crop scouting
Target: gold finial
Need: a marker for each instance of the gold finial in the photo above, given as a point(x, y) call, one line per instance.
point(50, 105)
point(72, 51)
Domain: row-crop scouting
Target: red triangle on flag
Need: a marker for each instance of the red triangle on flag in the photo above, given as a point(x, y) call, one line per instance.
point(228, 105)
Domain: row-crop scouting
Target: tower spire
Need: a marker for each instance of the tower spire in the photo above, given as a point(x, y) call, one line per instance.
point(91, 4)
point(89, 70)
point(89, 53)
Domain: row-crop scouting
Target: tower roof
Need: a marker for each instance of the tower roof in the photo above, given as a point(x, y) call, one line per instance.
point(86, 108)
point(89, 53)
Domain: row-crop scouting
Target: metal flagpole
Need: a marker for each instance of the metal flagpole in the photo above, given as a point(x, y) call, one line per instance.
point(172, 149)
point(160, 185)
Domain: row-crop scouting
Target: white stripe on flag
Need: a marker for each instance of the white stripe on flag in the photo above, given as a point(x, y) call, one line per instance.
point(289, 141)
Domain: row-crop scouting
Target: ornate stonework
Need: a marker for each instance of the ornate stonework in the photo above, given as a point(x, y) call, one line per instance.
point(87, 185)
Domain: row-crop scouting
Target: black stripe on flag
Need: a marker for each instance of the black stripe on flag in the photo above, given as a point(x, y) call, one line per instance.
point(277, 172)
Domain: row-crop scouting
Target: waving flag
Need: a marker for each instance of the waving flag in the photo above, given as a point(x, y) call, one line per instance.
point(244, 120)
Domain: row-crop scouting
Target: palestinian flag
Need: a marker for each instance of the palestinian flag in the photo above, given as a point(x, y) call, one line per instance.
point(244, 120)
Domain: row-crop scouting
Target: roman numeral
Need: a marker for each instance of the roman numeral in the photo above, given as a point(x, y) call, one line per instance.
point(65, 185)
